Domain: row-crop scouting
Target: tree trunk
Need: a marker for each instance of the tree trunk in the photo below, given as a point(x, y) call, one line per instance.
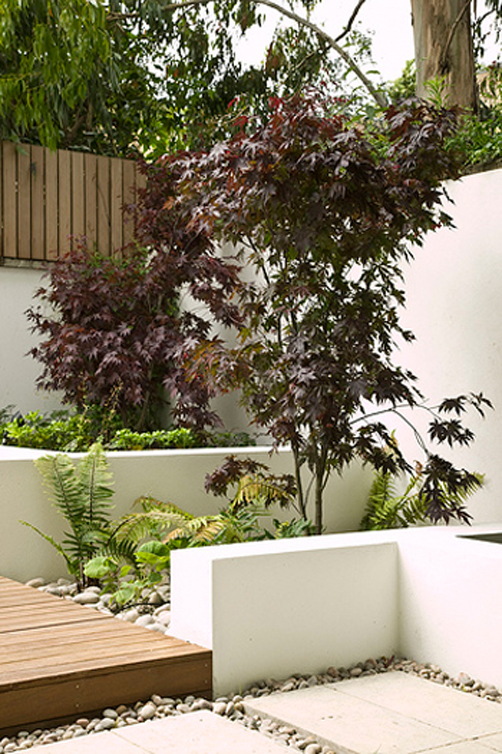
point(443, 48)
point(318, 506)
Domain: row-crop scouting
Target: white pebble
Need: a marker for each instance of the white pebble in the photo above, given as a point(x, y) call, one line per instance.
point(111, 713)
point(143, 620)
point(86, 598)
point(164, 617)
point(147, 711)
point(219, 708)
point(36, 583)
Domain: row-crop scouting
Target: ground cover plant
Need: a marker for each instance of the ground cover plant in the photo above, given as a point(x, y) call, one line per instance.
point(68, 432)
point(329, 213)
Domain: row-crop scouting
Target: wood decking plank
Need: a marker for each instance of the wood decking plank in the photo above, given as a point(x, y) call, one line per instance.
point(80, 694)
point(106, 645)
point(61, 659)
point(115, 661)
point(72, 633)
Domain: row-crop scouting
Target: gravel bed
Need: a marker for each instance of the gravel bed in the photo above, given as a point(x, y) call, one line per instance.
point(232, 706)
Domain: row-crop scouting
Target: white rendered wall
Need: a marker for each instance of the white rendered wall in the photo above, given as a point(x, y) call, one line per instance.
point(454, 307)
point(450, 605)
point(271, 609)
point(175, 476)
point(18, 372)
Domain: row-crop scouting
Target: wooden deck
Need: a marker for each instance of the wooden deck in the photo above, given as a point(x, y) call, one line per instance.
point(59, 660)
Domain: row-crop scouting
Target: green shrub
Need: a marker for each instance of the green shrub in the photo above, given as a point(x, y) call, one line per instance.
point(35, 430)
point(67, 432)
point(126, 439)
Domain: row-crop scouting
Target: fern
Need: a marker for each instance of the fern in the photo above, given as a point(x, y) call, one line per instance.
point(82, 494)
point(94, 482)
point(263, 491)
point(386, 509)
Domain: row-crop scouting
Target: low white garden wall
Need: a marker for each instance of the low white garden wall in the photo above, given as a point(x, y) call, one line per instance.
point(176, 476)
point(272, 609)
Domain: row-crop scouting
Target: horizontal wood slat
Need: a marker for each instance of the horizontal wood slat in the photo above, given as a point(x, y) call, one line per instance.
point(60, 660)
point(49, 200)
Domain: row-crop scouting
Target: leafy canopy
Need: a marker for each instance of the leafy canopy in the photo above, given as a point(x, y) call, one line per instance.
point(121, 77)
point(114, 337)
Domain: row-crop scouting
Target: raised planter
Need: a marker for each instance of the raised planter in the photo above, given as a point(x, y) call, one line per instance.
point(271, 609)
point(176, 476)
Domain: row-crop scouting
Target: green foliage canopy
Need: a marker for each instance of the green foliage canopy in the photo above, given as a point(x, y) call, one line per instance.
point(120, 77)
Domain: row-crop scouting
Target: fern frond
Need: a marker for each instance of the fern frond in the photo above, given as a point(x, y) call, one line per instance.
point(120, 550)
point(388, 510)
point(149, 503)
point(136, 526)
point(207, 529)
point(262, 491)
point(71, 565)
point(382, 489)
point(95, 482)
point(60, 480)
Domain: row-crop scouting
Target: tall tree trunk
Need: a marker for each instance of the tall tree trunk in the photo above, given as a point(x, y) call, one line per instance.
point(443, 48)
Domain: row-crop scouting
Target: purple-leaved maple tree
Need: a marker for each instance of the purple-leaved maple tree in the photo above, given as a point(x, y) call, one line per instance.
point(328, 212)
point(115, 335)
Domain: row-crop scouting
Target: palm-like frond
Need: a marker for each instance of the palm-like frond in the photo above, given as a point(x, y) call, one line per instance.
point(71, 564)
point(264, 491)
point(120, 550)
point(81, 493)
point(201, 530)
point(137, 526)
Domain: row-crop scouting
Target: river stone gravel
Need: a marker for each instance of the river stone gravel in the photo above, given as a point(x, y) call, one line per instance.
point(232, 706)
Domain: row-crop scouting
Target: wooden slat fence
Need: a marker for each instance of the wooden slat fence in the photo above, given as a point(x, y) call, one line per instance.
point(49, 199)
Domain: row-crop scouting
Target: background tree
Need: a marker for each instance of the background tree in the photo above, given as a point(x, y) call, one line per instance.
point(122, 77)
point(327, 212)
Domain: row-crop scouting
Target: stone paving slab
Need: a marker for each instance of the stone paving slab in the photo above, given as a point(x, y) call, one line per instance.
point(464, 714)
point(193, 733)
point(393, 713)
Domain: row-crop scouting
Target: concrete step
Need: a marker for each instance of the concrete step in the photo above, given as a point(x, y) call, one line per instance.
point(393, 713)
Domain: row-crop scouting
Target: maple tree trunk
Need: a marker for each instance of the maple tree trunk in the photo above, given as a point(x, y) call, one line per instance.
point(443, 48)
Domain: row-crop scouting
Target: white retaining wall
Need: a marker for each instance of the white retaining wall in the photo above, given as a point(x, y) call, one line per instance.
point(299, 606)
point(176, 476)
point(450, 606)
point(270, 609)
point(18, 371)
